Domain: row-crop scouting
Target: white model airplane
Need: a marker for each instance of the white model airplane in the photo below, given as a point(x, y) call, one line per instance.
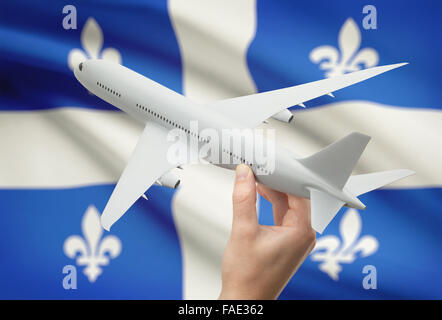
point(323, 177)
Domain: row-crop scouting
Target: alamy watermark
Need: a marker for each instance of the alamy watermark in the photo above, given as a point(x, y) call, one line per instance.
point(370, 281)
point(370, 21)
point(253, 147)
point(70, 279)
point(70, 18)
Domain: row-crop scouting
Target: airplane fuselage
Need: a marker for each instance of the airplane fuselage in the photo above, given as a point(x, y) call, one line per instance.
point(148, 101)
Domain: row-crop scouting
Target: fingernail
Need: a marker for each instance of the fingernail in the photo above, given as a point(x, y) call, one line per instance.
point(242, 171)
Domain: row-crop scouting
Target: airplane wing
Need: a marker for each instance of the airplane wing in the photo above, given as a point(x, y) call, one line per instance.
point(254, 109)
point(147, 163)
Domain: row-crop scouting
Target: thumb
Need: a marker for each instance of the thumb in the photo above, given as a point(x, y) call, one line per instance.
point(244, 198)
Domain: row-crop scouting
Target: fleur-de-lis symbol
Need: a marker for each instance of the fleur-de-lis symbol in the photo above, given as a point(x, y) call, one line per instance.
point(348, 59)
point(331, 252)
point(92, 42)
point(92, 251)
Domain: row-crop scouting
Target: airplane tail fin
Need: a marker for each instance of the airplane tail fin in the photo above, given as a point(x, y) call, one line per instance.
point(363, 183)
point(336, 162)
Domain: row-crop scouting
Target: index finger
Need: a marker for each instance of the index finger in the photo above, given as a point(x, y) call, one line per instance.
point(299, 211)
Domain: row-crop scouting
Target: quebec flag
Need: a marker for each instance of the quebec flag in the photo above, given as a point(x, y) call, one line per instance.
point(63, 149)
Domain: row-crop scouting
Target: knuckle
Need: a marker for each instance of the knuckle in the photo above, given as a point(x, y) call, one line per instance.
point(310, 236)
point(313, 236)
point(313, 244)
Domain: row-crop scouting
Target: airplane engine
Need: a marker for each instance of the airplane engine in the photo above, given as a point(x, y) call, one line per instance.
point(284, 116)
point(169, 180)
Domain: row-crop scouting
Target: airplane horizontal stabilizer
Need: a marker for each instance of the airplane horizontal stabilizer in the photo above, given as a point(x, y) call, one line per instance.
point(324, 207)
point(336, 162)
point(360, 184)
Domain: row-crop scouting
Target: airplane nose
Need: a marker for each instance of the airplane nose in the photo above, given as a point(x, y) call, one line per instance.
point(80, 66)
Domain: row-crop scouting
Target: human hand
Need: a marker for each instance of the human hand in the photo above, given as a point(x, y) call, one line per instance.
point(259, 260)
